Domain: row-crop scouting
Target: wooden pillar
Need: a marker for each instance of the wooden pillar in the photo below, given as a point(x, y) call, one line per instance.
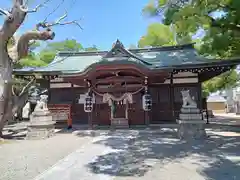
point(172, 96)
point(89, 120)
point(147, 117)
point(199, 86)
point(126, 110)
point(69, 121)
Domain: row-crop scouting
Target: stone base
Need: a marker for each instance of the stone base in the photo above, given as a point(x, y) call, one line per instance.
point(37, 133)
point(192, 130)
point(41, 113)
point(191, 124)
point(41, 126)
point(190, 110)
point(190, 116)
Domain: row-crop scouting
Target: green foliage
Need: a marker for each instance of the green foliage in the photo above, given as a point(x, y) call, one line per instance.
point(93, 48)
point(47, 54)
point(66, 45)
point(219, 19)
point(157, 35)
point(31, 60)
point(163, 35)
point(219, 82)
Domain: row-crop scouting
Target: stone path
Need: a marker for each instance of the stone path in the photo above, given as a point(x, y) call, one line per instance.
point(148, 154)
point(73, 166)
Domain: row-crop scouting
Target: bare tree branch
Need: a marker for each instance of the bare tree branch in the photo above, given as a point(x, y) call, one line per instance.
point(24, 41)
point(10, 25)
point(58, 22)
point(6, 13)
point(38, 6)
point(16, 17)
point(71, 22)
point(13, 91)
point(25, 88)
point(54, 10)
point(18, 102)
point(61, 18)
point(21, 48)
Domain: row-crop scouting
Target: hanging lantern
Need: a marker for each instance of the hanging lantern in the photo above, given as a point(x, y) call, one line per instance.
point(147, 102)
point(88, 104)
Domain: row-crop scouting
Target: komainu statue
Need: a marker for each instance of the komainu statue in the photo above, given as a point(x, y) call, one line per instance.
point(187, 99)
point(42, 103)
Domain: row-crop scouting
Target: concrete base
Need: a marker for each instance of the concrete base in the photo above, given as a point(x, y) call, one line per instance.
point(191, 130)
point(191, 125)
point(36, 133)
point(41, 126)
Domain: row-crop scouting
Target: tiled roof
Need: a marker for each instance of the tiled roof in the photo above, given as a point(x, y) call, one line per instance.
point(153, 58)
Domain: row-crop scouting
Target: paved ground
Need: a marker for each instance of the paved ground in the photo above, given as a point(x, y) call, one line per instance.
point(123, 155)
point(226, 119)
point(150, 154)
point(25, 159)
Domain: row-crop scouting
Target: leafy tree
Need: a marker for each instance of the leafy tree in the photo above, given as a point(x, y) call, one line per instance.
point(12, 51)
point(162, 35)
point(32, 59)
point(220, 22)
point(47, 54)
point(93, 48)
point(157, 35)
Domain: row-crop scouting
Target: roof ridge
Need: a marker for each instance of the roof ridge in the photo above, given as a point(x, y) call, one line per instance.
point(88, 53)
point(135, 50)
point(164, 48)
point(119, 46)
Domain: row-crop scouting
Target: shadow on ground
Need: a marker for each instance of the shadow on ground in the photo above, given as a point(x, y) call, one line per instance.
point(137, 150)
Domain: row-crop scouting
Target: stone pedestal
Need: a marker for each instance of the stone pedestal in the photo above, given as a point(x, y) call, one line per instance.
point(41, 125)
point(191, 125)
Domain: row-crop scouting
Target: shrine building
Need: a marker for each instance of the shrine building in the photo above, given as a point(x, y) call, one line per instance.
point(125, 87)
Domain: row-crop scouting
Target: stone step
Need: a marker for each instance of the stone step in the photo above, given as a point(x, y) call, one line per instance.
point(190, 116)
point(119, 123)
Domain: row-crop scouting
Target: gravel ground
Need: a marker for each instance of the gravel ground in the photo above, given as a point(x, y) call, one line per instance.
point(25, 159)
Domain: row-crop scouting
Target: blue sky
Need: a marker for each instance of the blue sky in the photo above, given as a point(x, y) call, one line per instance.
point(103, 21)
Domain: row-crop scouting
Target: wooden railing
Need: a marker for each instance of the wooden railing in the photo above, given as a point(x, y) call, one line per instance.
point(61, 112)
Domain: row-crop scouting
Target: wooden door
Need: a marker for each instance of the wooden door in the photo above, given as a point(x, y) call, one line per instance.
point(136, 114)
point(79, 116)
point(102, 114)
point(161, 108)
point(120, 110)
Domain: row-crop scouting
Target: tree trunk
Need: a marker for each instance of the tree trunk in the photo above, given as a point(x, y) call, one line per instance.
point(19, 102)
point(5, 85)
point(14, 19)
